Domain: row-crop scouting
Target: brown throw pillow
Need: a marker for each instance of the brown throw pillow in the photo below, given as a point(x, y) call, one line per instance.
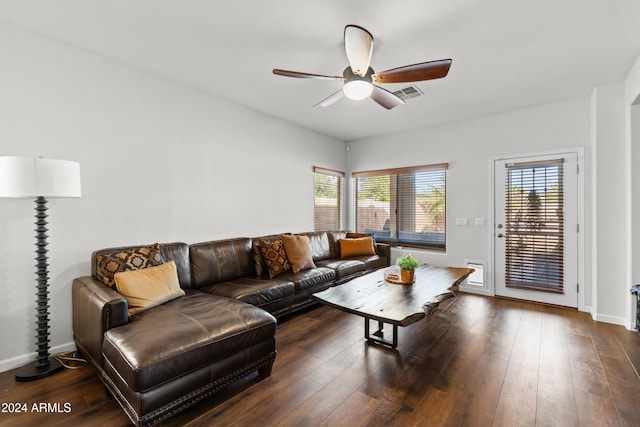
point(298, 252)
point(275, 257)
point(131, 259)
point(148, 287)
point(356, 247)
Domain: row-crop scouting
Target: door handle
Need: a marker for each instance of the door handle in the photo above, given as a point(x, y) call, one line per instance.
point(500, 235)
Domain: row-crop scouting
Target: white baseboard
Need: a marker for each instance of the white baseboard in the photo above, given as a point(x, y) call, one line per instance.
point(475, 290)
point(612, 319)
point(18, 361)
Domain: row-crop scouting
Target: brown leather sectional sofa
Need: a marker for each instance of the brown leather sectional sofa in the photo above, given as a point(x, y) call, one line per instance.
point(164, 359)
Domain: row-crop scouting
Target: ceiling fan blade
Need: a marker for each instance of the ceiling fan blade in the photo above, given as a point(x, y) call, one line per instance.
point(330, 99)
point(358, 45)
point(385, 98)
point(414, 73)
point(300, 75)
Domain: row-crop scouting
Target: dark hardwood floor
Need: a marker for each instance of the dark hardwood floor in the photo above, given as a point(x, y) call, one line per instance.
point(478, 361)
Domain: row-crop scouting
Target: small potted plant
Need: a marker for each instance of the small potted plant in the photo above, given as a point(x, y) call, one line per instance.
point(407, 264)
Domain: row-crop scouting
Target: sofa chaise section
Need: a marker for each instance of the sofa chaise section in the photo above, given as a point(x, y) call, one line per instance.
point(164, 359)
point(183, 351)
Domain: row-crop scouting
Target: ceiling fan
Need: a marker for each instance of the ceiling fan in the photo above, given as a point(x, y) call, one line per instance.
point(359, 77)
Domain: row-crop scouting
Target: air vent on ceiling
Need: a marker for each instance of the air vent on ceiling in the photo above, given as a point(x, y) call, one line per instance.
point(408, 92)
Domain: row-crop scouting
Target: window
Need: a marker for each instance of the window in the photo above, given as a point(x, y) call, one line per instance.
point(404, 206)
point(328, 191)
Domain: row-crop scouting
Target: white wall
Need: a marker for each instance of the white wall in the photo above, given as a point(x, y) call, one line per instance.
point(159, 162)
point(610, 284)
point(467, 147)
point(632, 145)
point(633, 214)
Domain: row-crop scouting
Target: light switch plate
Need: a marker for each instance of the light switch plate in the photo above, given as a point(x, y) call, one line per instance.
point(479, 222)
point(462, 222)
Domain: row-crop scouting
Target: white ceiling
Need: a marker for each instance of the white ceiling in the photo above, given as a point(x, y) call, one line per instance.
point(507, 54)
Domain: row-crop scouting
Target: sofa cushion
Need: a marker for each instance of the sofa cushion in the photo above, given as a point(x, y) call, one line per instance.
point(220, 260)
point(148, 287)
point(298, 252)
point(275, 257)
point(312, 278)
point(182, 336)
point(351, 247)
point(334, 242)
point(343, 267)
point(179, 253)
point(108, 264)
point(253, 290)
point(372, 262)
point(319, 242)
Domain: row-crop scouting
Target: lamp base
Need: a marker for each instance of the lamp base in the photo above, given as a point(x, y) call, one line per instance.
point(32, 372)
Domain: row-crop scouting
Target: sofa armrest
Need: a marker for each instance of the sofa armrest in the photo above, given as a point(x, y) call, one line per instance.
point(96, 309)
point(384, 251)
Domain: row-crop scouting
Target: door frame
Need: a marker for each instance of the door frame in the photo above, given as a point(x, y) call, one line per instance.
point(581, 273)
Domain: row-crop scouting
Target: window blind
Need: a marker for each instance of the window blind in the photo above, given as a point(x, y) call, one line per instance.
point(534, 226)
point(403, 206)
point(328, 194)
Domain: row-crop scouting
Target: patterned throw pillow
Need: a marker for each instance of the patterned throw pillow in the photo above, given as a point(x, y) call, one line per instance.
point(275, 257)
point(107, 265)
point(261, 267)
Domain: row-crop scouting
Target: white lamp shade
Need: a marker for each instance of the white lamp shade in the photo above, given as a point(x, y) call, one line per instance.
point(27, 177)
point(357, 89)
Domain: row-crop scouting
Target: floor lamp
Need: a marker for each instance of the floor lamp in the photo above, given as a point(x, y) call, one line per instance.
point(35, 177)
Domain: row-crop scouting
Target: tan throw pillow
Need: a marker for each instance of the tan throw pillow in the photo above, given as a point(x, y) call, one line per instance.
point(356, 247)
point(148, 287)
point(275, 257)
point(298, 252)
point(131, 259)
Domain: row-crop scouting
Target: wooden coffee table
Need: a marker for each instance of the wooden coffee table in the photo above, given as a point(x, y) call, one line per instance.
point(373, 298)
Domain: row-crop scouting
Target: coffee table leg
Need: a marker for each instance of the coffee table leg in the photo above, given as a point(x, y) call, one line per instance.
point(378, 336)
point(366, 328)
point(379, 332)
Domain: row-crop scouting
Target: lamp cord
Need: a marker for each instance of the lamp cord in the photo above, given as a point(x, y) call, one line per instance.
point(70, 360)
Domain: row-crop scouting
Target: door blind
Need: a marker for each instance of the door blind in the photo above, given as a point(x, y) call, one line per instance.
point(534, 226)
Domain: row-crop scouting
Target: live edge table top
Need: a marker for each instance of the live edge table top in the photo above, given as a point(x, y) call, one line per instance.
point(372, 297)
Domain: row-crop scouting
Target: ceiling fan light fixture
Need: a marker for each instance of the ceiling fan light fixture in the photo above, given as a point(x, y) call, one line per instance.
point(357, 89)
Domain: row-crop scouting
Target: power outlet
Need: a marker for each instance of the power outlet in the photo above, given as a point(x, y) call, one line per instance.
point(462, 222)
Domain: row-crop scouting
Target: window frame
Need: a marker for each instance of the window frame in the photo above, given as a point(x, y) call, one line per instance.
point(400, 211)
point(317, 170)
